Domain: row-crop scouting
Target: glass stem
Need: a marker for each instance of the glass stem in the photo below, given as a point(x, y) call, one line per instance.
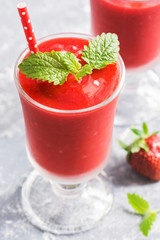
point(66, 190)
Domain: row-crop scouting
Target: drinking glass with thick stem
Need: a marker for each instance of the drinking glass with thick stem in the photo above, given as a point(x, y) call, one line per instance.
point(68, 149)
point(137, 24)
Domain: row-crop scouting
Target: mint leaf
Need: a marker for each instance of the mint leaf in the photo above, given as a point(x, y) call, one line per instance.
point(140, 205)
point(102, 50)
point(147, 222)
point(54, 66)
point(70, 61)
point(86, 69)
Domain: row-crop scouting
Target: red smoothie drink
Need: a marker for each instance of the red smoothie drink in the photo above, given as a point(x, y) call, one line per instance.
point(137, 24)
point(69, 126)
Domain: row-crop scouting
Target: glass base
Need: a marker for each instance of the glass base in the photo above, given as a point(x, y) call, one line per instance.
point(65, 209)
point(139, 100)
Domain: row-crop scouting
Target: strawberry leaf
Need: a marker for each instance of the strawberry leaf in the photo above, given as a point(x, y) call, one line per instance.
point(134, 136)
point(145, 128)
point(128, 155)
point(123, 145)
point(154, 133)
point(147, 222)
point(137, 132)
point(135, 147)
point(143, 145)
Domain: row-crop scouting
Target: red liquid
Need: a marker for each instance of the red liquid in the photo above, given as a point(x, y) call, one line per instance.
point(70, 144)
point(137, 25)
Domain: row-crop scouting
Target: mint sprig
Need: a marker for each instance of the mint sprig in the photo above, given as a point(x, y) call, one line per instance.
point(141, 206)
point(55, 66)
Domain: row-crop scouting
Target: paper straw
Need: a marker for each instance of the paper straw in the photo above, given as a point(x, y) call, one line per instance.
point(27, 27)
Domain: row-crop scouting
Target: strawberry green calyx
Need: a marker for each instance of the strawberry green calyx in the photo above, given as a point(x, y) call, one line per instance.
point(139, 142)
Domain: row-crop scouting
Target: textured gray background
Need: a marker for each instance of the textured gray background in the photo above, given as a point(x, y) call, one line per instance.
point(52, 16)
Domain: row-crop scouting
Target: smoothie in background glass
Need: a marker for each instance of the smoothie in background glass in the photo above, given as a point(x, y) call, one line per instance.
point(137, 24)
point(68, 134)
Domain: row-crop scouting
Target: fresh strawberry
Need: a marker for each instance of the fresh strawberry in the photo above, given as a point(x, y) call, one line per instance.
point(143, 154)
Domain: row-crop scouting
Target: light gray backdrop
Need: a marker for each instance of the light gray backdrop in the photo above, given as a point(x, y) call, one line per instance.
point(53, 16)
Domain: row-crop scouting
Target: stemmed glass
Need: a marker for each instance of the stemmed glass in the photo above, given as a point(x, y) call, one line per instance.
point(137, 24)
point(68, 149)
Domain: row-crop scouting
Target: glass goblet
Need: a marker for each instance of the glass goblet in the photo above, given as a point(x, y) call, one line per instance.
point(137, 24)
point(68, 149)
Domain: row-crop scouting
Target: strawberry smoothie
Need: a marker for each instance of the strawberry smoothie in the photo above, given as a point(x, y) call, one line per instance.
point(69, 126)
point(137, 24)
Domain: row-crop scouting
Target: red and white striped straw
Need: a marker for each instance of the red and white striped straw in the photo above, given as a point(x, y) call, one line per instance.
point(27, 27)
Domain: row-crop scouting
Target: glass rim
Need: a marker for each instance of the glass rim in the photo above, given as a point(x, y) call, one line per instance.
point(34, 102)
point(139, 0)
point(116, 2)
